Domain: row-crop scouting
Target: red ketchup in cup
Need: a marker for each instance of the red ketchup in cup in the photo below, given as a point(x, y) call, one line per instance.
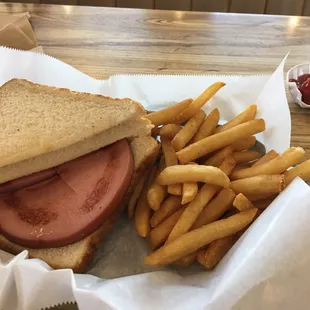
point(303, 84)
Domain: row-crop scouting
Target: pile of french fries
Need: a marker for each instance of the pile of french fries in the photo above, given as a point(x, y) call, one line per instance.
point(208, 186)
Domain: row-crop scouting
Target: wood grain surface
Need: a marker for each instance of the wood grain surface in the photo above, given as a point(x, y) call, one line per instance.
point(281, 7)
point(106, 41)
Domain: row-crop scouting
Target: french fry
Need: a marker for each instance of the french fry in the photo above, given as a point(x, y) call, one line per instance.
point(302, 171)
point(185, 261)
point(168, 207)
point(266, 158)
point(262, 204)
point(135, 197)
point(160, 233)
point(216, 159)
point(199, 102)
point(196, 207)
point(275, 166)
point(196, 239)
point(143, 211)
point(244, 144)
point(189, 192)
point(170, 160)
point(219, 140)
point(157, 193)
point(259, 185)
point(193, 173)
point(258, 197)
point(215, 208)
point(188, 131)
point(228, 165)
point(192, 211)
point(247, 115)
point(242, 167)
point(168, 152)
point(175, 189)
point(217, 249)
point(169, 131)
point(168, 115)
point(246, 156)
point(208, 126)
point(242, 203)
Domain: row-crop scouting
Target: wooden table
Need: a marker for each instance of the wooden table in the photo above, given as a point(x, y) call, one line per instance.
point(106, 41)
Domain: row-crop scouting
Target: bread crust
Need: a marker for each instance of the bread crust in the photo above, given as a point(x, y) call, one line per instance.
point(77, 256)
point(39, 119)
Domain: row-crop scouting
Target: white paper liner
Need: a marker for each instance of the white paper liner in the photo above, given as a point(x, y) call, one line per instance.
point(244, 269)
point(294, 73)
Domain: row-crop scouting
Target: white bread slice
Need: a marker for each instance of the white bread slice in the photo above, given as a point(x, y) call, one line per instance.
point(36, 119)
point(78, 255)
point(35, 164)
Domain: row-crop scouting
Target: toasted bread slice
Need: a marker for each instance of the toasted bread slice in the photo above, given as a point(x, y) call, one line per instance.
point(38, 119)
point(58, 157)
point(78, 255)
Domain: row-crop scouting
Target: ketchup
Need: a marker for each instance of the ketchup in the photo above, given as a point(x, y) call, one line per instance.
point(303, 84)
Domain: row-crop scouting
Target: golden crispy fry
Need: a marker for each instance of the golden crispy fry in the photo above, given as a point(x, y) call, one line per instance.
point(168, 207)
point(228, 165)
point(266, 158)
point(169, 131)
point(193, 173)
point(275, 166)
point(189, 192)
point(195, 207)
point(259, 185)
point(242, 167)
point(217, 249)
point(244, 144)
point(143, 211)
point(199, 102)
point(196, 239)
point(208, 126)
point(169, 153)
point(219, 140)
point(264, 203)
point(217, 158)
point(188, 131)
point(168, 115)
point(302, 171)
point(175, 189)
point(170, 160)
point(185, 261)
point(242, 203)
point(258, 197)
point(160, 233)
point(135, 196)
point(157, 193)
point(215, 208)
point(247, 115)
point(246, 156)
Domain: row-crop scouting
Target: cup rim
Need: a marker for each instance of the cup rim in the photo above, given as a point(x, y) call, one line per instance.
point(295, 67)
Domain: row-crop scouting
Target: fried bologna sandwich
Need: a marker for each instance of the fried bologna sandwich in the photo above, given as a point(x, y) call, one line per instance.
point(68, 164)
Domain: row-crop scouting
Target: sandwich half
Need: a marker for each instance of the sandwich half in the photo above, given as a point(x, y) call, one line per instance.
point(68, 165)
